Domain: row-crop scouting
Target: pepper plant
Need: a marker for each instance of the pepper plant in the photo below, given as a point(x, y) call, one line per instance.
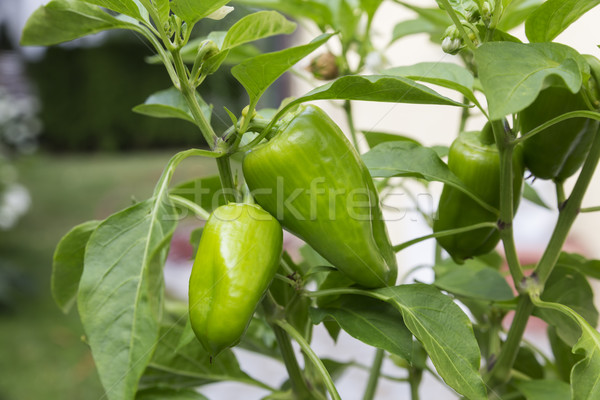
point(541, 106)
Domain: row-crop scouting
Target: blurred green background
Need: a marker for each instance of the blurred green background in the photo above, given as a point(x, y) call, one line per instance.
point(91, 157)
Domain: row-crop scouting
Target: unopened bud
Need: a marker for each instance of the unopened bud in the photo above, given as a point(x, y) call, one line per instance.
point(324, 67)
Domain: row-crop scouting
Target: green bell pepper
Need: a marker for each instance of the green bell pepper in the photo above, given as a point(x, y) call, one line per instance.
point(558, 151)
point(474, 159)
point(237, 258)
point(314, 182)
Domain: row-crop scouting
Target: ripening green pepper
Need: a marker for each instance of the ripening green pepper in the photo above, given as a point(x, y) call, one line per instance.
point(237, 258)
point(474, 158)
point(314, 182)
point(558, 151)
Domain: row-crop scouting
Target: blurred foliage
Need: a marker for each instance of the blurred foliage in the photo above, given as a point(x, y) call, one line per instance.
point(87, 94)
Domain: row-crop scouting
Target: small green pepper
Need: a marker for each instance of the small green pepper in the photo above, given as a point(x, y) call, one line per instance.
point(558, 151)
point(237, 258)
point(474, 158)
point(312, 179)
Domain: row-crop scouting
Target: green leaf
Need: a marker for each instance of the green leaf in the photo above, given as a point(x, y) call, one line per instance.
point(190, 364)
point(257, 26)
point(258, 73)
point(412, 160)
point(370, 6)
point(445, 332)
point(448, 75)
point(345, 20)
point(516, 12)
point(415, 26)
point(554, 16)
point(435, 15)
point(578, 262)
point(168, 394)
point(527, 363)
point(64, 20)
point(530, 194)
point(371, 321)
point(512, 74)
point(121, 291)
point(544, 389)
point(384, 88)
point(585, 376)
point(473, 279)
point(131, 8)
point(206, 192)
point(67, 265)
point(563, 356)
point(192, 11)
point(170, 103)
point(313, 10)
point(569, 287)
point(375, 138)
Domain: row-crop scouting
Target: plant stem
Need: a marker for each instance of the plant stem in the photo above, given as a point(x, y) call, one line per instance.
point(297, 380)
point(449, 232)
point(464, 116)
point(505, 147)
point(229, 191)
point(568, 213)
point(348, 109)
point(414, 377)
point(290, 330)
point(190, 96)
point(590, 209)
point(560, 194)
point(190, 205)
point(374, 375)
point(501, 371)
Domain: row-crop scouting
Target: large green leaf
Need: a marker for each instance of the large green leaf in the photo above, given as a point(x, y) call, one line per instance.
point(370, 6)
point(133, 8)
point(473, 279)
point(258, 73)
point(257, 26)
point(578, 262)
point(569, 287)
point(512, 74)
point(206, 192)
point(544, 389)
point(168, 394)
point(371, 321)
point(448, 75)
point(170, 103)
point(585, 375)
point(445, 332)
point(403, 158)
point(554, 16)
point(64, 20)
point(383, 88)
point(121, 290)
point(67, 265)
point(516, 12)
point(414, 26)
point(191, 11)
point(313, 10)
point(189, 364)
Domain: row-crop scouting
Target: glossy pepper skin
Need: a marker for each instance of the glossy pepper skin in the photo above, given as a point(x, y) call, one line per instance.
point(237, 258)
point(558, 151)
point(474, 158)
point(312, 179)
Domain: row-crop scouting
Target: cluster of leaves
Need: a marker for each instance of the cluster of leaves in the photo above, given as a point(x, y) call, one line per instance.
point(145, 349)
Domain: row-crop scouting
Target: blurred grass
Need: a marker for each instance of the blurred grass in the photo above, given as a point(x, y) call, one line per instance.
point(41, 352)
